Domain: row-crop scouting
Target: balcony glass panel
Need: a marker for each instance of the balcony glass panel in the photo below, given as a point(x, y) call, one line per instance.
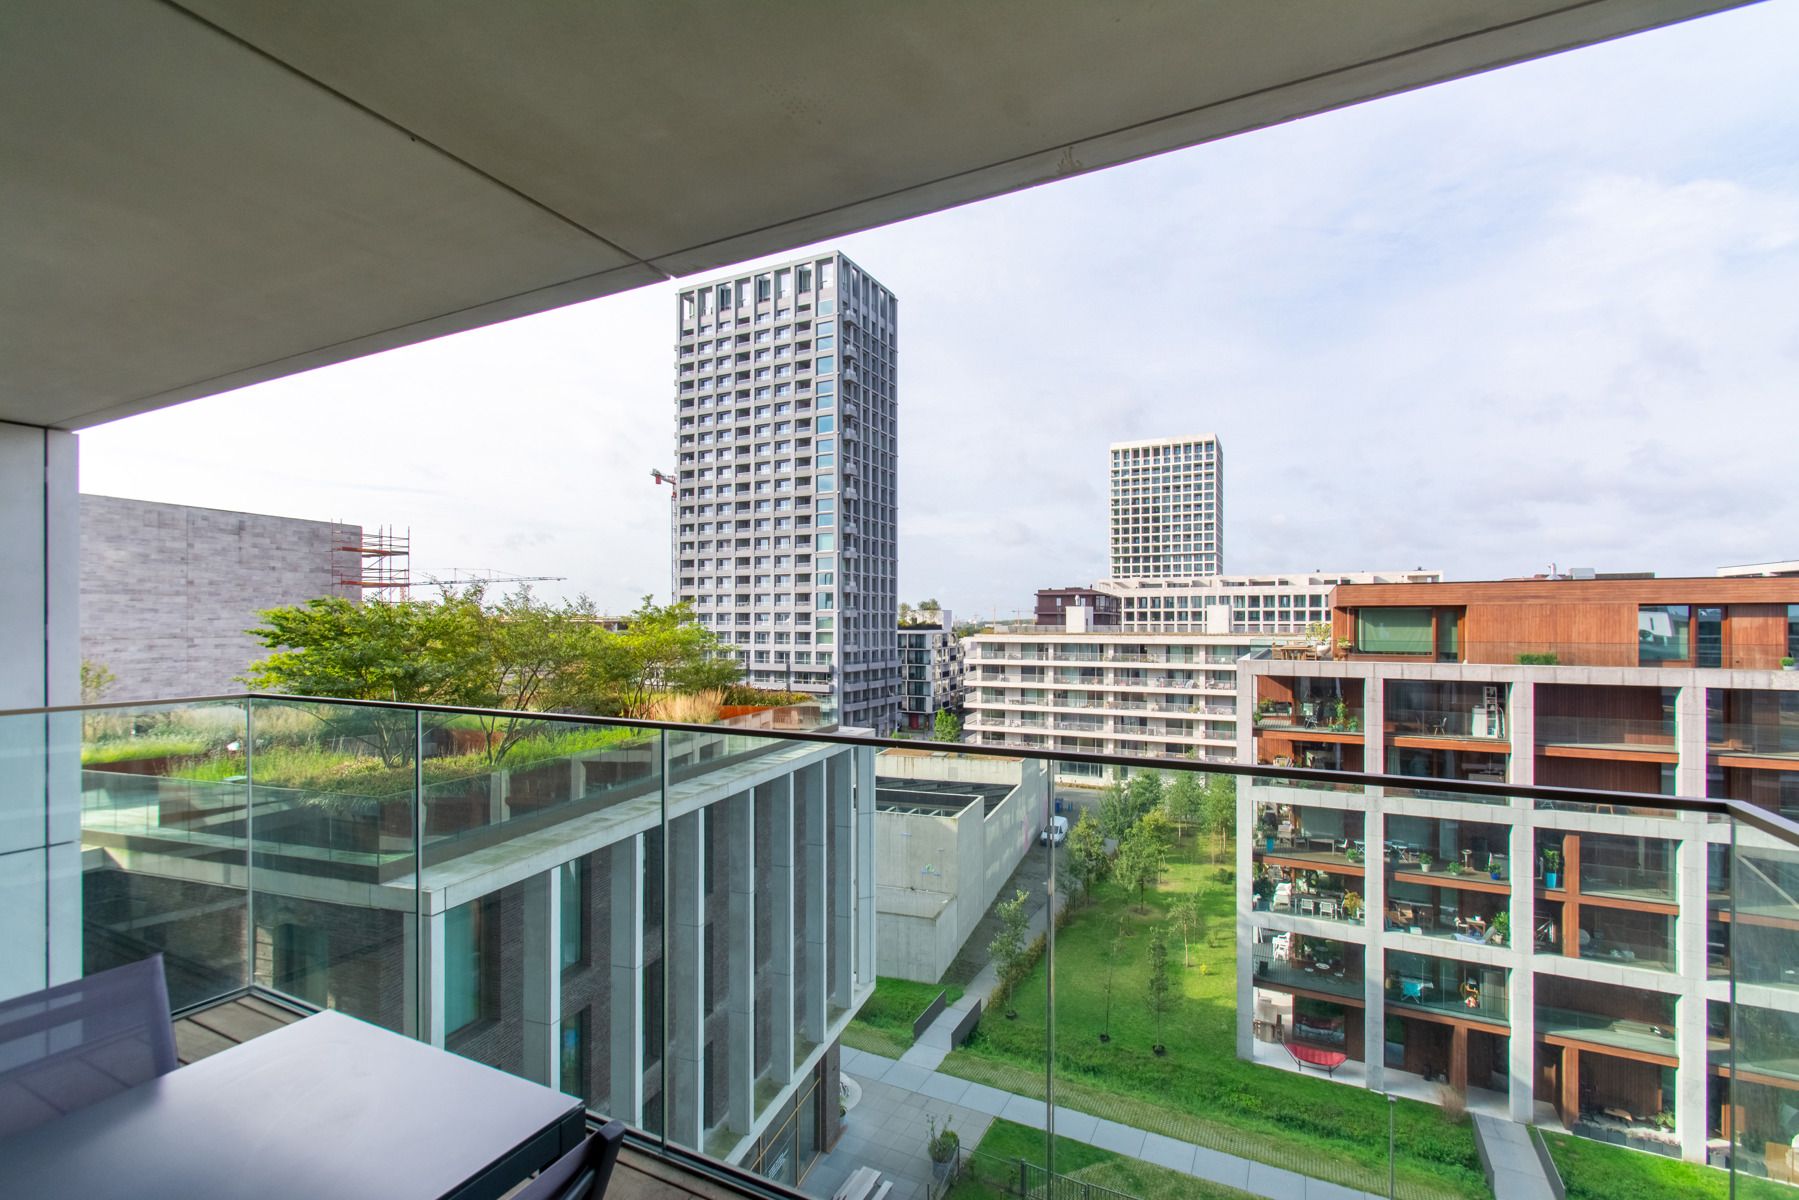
point(1422, 981)
point(163, 800)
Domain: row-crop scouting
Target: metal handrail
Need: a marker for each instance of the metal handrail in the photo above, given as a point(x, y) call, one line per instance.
point(1767, 822)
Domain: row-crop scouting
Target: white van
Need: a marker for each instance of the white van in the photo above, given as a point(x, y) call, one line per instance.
point(1055, 833)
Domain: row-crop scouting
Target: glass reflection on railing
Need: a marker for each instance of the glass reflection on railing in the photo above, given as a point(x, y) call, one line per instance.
point(732, 940)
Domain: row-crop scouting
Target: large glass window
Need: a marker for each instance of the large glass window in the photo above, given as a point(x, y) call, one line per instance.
point(1708, 636)
point(573, 1053)
point(1393, 630)
point(1662, 634)
point(464, 929)
point(574, 913)
point(1793, 631)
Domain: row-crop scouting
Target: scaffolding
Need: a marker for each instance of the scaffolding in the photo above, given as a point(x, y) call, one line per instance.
point(380, 564)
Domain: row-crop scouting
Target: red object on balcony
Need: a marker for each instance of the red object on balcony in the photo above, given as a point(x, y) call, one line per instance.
point(1316, 1056)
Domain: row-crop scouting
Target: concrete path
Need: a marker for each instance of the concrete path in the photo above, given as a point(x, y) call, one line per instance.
point(1511, 1160)
point(933, 1045)
point(931, 1090)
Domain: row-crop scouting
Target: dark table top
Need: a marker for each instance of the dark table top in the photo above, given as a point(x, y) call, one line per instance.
point(325, 1107)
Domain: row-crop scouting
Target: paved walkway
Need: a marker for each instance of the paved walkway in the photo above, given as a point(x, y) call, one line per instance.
point(1512, 1159)
point(907, 1087)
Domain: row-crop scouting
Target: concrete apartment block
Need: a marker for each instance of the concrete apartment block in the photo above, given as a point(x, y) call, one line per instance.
point(1167, 507)
point(167, 590)
point(786, 442)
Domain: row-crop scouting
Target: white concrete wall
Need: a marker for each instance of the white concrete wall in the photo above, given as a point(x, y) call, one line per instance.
point(40, 817)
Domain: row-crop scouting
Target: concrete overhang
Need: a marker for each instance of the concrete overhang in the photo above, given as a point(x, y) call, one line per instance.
point(206, 194)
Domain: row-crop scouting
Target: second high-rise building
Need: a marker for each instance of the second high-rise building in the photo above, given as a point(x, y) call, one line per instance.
point(1167, 508)
point(786, 443)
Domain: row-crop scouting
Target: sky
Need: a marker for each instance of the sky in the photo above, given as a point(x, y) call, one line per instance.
point(1544, 315)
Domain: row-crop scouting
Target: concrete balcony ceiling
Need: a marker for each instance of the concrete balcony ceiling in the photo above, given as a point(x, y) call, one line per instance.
point(206, 194)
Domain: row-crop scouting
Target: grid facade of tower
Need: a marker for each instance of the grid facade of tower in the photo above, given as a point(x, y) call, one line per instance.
point(786, 440)
point(1167, 508)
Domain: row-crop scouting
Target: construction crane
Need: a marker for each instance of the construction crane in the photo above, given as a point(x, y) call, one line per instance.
point(462, 577)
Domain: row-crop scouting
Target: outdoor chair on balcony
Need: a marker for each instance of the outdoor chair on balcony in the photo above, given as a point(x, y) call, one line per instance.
point(73, 1045)
point(582, 1173)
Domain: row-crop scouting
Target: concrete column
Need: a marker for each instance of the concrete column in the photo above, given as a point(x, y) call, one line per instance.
point(1521, 1065)
point(1374, 924)
point(423, 973)
point(1689, 739)
point(740, 869)
point(1374, 724)
point(1521, 716)
point(840, 964)
point(40, 773)
point(542, 984)
point(809, 816)
point(624, 1014)
point(684, 1059)
point(1690, 1077)
point(781, 928)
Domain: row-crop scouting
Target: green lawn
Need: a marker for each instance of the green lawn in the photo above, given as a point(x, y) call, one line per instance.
point(992, 1172)
point(1597, 1171)
point(1201, 1092)
point(884, 1026)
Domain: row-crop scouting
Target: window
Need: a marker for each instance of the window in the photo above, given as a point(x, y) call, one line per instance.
point(468, 995)
point(1662, 634)
point(573, 1052)
point(574, 913)
point(1393, 630)
point(1793, 631)
point(1708, 637)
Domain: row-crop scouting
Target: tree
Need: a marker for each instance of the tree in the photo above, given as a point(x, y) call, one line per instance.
point(1007, 950)
point(1138, 864)
point(1184, 798)
point(1115, 815)
point(1185, 918)
point(517, 652)
point(1218, 809)
point(96, 681)
point(947, 727)
point(1158, 980)
point(1157, 834)
point(1112, 949)
point(1087, 861)
point(1146, 792)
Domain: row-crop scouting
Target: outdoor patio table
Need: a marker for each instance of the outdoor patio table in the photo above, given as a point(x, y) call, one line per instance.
point(327, 1106)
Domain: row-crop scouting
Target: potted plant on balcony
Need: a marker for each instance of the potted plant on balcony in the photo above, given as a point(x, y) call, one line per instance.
point(1264, 708)
point(1352, 905)
point(1343, 647)
point(1426, 860)
point(1353, 854)
point(1269, 824)
point(1786, 663)
point(1552, 866)
point(1500, 931)
point(1340, 714)
point(1494, 867)
point(1262, 888)
point(942, 1145)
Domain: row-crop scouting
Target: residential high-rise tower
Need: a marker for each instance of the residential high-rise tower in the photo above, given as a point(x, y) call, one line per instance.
point(786, 431)
point(1168, 508)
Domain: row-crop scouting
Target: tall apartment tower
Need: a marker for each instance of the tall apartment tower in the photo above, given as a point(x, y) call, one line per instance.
point(786, 441)
point(1167, 508)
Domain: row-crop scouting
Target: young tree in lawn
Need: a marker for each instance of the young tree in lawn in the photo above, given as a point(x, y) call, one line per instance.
point(1146, 792)
point(1185, 918)
point(1184, 798)
point(1087, 861)
point(1115, 814)
point(1007, 950)
point(1112, 949)
point(947, 727)
point(1158, 981)
point(1157, 833)
point(1138, 865)
point(1218, 810)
